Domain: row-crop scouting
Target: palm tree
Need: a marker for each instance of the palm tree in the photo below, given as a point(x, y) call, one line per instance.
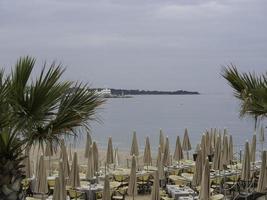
point(37, 112)
point(250, 89)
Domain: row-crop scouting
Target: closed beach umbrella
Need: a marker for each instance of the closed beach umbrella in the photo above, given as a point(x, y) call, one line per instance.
point(216, 163)
point(95, 156)
point(88, 144)
point(134, 147)
point(225, 132)
point(64, 158)
point(106, 190)
point(245, 173)
point(212, 140)
point(155, 190)
point(198, 171)
point(70, 153)
point(161, 169)
point(186, 143)
point(109, 157)
point(60, 192)
point(261, 137)
point(147, 153)
point(132, 188)
point(262, 183)
point(159, 156)
point(203, 148)
point(90, 164)
point(225, 151)
point(49, 152)
point(208, 145)
point(231, 149)
point(41, 186)
point(215, 134)
point(166, 154)
point(178, 153)
point(204, 193)
point(197, 149)
point(116, 157)
point(161, 140)
point(214, 137)
point(49, 149)
point(74, 180)
point(27, 164)
point(253, 149)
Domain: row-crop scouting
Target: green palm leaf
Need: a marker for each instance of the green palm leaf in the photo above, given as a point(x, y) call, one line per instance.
point(46, 107)
point(250, 89)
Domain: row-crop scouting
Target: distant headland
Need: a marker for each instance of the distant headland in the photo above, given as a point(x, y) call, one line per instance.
point(111, 92)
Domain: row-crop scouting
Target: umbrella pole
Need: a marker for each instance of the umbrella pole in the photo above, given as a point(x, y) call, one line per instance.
point(219, 181)
point(246, 190)
point(224, 179)
point(133, 192)
point(49, 163)
point(187, 154)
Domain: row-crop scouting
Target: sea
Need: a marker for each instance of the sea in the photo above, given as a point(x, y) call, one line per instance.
point(147, 114)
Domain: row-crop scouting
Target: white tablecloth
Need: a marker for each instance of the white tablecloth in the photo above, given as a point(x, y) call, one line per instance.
point(176, 192)
point(91, 190)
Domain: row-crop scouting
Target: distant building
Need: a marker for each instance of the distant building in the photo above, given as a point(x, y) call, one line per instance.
point(104, 92)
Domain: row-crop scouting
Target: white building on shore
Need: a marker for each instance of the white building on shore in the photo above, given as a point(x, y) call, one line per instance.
point(104, 92)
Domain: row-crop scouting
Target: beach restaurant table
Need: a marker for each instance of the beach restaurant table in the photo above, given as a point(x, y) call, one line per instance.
point(126, 172)
point(176, 191)
point(188, 198)
point(179, 179)
point(184, 165)
point(213, 175)
point(150, 168)
point(253, 166)
point(224, 173)
point(91, 189)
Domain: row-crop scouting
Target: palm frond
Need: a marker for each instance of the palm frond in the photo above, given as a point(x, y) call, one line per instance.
point(77, 108)
point(4, 115)
point(44, 109)
point(249, 88)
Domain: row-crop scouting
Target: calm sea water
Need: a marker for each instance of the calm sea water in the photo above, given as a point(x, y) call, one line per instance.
point(148, 114)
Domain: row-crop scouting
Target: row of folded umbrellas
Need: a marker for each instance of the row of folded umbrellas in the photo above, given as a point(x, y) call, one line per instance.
point(212, 143)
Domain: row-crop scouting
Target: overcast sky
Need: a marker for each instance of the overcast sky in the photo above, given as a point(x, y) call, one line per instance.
point(144, 44)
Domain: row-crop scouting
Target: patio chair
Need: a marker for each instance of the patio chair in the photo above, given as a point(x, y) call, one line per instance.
point(144, 184)
point(26, 187)
point(75, 194)
point(119, 193)
point(51, 186)
point(122, 179)
point(217, 197)
point(99, 195)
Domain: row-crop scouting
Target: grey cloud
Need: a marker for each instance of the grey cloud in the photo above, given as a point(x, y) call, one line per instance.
point(151, 44)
